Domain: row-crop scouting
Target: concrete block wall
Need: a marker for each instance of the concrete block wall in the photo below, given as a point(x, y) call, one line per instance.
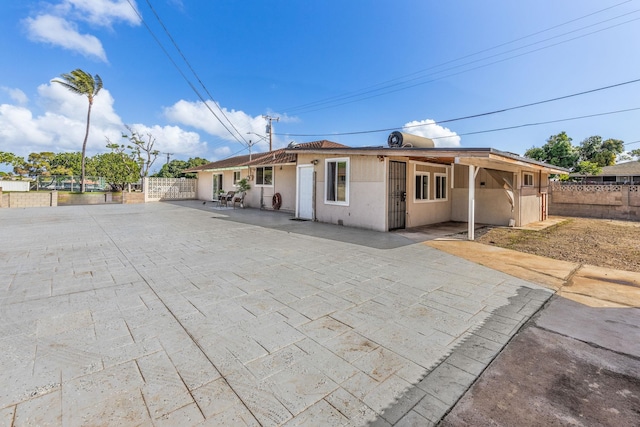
point(28, 199)
point(132, 198)
point(83, 199)
point(607, 202)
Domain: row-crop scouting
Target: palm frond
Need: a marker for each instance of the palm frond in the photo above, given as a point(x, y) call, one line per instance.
point(81, 83)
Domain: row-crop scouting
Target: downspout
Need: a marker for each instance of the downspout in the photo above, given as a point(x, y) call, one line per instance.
point(539, 182)
point(313, 197)
point(472, 208)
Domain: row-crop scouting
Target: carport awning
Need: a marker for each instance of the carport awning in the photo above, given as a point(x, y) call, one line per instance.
point(509, 162)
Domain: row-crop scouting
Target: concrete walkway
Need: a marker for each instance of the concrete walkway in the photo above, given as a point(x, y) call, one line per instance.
point(587, 284)
point(577, 362)
point(180, 314)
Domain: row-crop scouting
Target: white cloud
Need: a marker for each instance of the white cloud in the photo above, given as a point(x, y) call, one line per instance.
point(171, 139)
point(103, 12)
point(442, 137)
point(16, 94)
point(62, 126)
point(60, 32)
point(222, 152)
point(57, 24)
point(17, 128)
point(197, 115)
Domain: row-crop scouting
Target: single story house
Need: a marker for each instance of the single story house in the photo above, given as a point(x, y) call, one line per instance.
point(269, 173)
point(390, 188)
point(622, 173)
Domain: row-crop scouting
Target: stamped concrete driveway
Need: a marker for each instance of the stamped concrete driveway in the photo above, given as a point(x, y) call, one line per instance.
point(164, 314)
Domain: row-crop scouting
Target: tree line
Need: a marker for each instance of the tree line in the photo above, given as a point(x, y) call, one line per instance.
point(119, 167)
point(126, 163)
point(588, 157)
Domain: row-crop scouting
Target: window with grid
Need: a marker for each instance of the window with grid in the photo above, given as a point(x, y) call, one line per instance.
point(264, 175)
point(527, 179)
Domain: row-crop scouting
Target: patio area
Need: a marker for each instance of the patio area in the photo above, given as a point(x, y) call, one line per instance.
point(181, 314)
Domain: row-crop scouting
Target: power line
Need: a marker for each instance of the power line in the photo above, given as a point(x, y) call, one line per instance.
point(502, 110)
point(184, 58)
point(195, 90)
point(330, 102)
point(481, 131)
point(538, 123)
point(463, 57)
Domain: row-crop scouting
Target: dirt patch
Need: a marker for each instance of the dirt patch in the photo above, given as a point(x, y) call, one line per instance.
point(599, 242)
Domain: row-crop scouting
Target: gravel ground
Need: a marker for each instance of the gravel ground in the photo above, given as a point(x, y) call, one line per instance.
point(599, 242)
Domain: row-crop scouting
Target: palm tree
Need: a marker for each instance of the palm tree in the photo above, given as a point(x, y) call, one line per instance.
point(82, 83)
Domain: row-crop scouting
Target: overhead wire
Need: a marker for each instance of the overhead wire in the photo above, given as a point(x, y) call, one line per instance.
point(502, 110)
point(539, 123)
point(406, 81)
point(337, 97)
point(453, 134)
point(184, 58)
point(405, 84)
point(186, 79)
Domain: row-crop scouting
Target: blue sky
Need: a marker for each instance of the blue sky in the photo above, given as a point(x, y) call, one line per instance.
point(324, 67)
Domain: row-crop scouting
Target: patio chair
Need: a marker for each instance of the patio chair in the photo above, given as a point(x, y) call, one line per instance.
point(238, 198)
point(224, 199)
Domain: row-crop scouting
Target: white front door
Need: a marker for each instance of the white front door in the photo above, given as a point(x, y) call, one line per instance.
point(304, 207)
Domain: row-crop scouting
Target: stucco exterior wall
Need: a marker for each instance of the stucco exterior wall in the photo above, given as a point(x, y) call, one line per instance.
point(7, 186)
point(205, 183)
point(285, 184)
point(530, 209)
point(205, 186)
point(367, 193)
point(424, 212)
point(492, 206)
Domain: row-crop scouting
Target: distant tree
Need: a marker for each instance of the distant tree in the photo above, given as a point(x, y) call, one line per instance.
point(611, 149)
point(604, 153)
point(557, 151)
point(38, 164)
point(589, 147)
point(587, 168)
point(536, 153)
point(82, 83)
point(194, 163)
point(635, 153)
point(10, 159)
point(141, 148)
point(117, 169)
point(175, 168)
point(7, 158)
point(70, 164)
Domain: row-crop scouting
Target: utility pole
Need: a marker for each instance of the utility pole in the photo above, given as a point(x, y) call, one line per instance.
point(251, 144)
point(168, 156)
point(270, 128)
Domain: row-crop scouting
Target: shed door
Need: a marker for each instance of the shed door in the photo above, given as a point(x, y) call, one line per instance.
point(397, 206)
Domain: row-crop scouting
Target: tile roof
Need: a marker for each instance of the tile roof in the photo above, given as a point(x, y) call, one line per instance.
point(626, 168)
point(275, 157)
point(221, 164)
